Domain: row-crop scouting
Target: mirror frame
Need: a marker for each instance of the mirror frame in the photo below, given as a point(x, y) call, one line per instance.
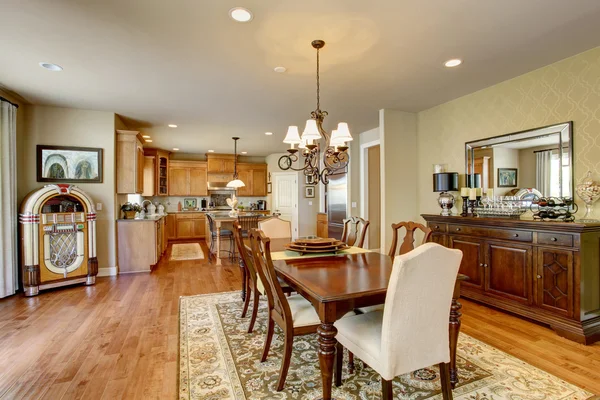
point(565, 136)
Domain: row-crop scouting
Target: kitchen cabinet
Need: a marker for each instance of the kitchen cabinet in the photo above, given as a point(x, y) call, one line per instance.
point(187, 178)
point(156, 176)
point(130, 162)
point(171, 222)
point(141, 244)
point(255, 178)
point(149, 176)
point(545, 271)
point(188, 225)
point(220, 163)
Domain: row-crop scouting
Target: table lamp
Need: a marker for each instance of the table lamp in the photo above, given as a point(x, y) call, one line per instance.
point(445, 182)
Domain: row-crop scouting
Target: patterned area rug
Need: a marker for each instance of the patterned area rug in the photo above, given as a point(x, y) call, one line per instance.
point(187, 251)
point(219, 360)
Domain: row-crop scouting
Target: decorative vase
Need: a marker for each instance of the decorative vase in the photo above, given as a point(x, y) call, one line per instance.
point(589, 192)
point(129, 214)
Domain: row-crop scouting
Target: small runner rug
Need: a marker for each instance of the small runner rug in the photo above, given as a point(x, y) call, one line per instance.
point(186, 251)
point(219, 360)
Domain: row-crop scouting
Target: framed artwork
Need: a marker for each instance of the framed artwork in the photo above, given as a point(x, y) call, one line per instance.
point(190, 203)
point(309, 180)
point(69, 164)
point(269, 188)
point(507, 177)
point(309, 191)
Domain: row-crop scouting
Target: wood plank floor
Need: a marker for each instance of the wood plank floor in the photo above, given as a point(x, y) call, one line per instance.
point(119, 338)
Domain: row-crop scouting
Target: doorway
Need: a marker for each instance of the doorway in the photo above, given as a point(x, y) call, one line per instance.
point(370, 183)
point(336, 203)
point(285, 198)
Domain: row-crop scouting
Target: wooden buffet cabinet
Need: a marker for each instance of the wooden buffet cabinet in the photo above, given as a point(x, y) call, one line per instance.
point(545, 271)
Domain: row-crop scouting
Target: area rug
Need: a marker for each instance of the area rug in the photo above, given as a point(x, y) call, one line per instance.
point(186, 251)
point(219, 360)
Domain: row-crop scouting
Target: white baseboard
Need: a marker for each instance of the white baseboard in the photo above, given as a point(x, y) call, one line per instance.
point(110, 271)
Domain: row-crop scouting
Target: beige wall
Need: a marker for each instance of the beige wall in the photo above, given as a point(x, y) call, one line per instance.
point(72, 127)
point(560, 92)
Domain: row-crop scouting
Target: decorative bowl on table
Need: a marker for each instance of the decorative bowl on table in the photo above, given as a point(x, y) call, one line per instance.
point(317, 245)
point(589, 192)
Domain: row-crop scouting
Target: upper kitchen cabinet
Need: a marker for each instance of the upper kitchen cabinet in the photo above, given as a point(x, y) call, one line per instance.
point(156, 172)
point(187, 178)
point(220, 163)
point(254, 177)
point(130, 162)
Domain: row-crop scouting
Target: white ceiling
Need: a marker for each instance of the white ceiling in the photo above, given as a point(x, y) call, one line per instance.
point(186, 62)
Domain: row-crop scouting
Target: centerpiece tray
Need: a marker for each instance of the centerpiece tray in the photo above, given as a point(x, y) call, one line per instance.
point(315, 246)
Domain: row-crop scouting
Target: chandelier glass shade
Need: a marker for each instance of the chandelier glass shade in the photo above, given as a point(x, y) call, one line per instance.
point(320, 160)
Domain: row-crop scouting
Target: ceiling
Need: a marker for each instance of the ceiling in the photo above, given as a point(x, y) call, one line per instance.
point(186, 62)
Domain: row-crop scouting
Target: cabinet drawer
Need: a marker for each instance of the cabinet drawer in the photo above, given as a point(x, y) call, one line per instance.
point(190, 216)
point(556, 239)
point(491, 233)
point(437, 227)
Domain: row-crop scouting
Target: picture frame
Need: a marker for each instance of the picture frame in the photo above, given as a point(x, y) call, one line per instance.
point(309, 191)
point(269, 188)
point(309, 180)
point(190, 203)
point(69, 164)
point(507, 177)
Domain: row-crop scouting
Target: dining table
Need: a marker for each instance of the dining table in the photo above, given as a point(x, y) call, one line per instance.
point(337, 284)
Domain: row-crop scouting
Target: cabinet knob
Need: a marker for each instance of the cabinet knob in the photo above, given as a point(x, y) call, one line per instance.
point(553, 239)
point(539, 277)
point(516, 235)
point(485, 265)
point(437, 227)
point(458, 229)
point(481, 265)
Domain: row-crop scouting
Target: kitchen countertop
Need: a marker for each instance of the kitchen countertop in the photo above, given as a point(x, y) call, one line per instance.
point(219, 211)
point(151, 218)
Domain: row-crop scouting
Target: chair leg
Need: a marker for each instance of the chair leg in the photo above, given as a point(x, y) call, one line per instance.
point(339, 360)
point(350, 362)
point(246, 302)
point(287, 358)
point(255, 295)
point(270, 327)
point(445, 381)
point(387, 393)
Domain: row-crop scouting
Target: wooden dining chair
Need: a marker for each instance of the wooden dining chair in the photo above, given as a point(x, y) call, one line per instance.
point(295, 315)
point(355, 231)
point(411, 332)
point(276, 228)
point(248, 222)
point(254, 286)
point(408, 243)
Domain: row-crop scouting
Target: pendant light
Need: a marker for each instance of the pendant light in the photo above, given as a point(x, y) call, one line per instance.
point(235, 183)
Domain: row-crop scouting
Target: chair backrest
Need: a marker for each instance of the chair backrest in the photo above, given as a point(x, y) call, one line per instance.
point(261, 252)
point(245, 255)
point(417, 308)
point(211, 223)
point(355, 231)
point(408, 243)
point(276, 228)
point(248, 222)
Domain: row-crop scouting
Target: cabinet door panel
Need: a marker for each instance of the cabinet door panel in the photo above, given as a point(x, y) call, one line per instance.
point(171, 222)
point(246, 177)
point(198, 186)
point(472, 261)
point(179, 181)
point(259, 182)
point(555, 280)
point(199, 227)
point(215, 165)
point(185, 228)
point(139, 179)
point(439, 239)
point(509, 270)
point(228, 166)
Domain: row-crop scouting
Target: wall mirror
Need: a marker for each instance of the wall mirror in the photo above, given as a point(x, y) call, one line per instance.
point(540, 159)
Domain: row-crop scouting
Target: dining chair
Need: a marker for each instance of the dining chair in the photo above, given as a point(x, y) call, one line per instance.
point(295, 315)
point(248, 222)
point(276, 228)
point(355, 231)
point(254, 286)
point(411, 332)
point(408, 243)
point(224, 234)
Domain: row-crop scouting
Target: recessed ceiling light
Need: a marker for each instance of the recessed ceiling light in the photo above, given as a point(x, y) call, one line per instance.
point(240, 14)
point(50, 66)
point(455, 62)
point(268, 133)
point(244, 152)
point(175, 148)
point(148, 141)
point(146, 136)
point(172, 126)
point(280, 70)
point(211, 151)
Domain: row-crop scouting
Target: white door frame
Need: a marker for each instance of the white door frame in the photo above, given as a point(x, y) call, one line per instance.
point(364, 176)
point(294, 195)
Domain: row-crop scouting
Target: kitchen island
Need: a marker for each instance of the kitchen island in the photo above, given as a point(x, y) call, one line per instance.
point(141, 242)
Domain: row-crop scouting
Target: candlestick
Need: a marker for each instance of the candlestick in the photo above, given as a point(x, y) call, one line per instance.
point(465, 205)
point(472, 204)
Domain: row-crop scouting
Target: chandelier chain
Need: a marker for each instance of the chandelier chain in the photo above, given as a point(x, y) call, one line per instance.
point(318, 84)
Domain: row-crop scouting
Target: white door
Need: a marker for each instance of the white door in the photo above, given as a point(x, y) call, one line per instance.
point(285, 198)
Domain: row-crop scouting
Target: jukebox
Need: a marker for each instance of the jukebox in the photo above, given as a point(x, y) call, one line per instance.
point(58, 238)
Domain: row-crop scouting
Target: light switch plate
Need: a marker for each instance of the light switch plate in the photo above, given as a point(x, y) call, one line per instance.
point(353, 204)
point(310, 203)
point(98, 206)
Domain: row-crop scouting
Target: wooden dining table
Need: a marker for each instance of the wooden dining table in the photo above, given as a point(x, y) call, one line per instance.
point(338, 284)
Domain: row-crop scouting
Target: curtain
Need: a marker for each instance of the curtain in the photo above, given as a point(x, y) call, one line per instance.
point(543, 171)
point(8, 199)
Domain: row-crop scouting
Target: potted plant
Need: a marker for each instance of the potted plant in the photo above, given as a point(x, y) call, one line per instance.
point(129, 210)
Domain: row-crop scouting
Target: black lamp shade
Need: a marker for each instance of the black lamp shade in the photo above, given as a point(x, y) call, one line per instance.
point(445, 182)
point(477, 179)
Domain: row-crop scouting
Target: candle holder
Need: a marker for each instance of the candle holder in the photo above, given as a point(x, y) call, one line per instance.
point(465, 206)
point(472, 205)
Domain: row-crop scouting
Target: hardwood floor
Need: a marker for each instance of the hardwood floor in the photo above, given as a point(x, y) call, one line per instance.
point(119, 338)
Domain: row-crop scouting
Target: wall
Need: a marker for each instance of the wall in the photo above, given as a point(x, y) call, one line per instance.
point(72, 127)
point(563, 91)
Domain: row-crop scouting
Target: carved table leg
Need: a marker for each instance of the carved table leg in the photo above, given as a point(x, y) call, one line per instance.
point(455, 315)
point(327, 345)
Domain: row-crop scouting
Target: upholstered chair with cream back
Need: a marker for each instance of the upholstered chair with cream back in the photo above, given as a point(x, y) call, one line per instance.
point(411, 332)
point(275, 228)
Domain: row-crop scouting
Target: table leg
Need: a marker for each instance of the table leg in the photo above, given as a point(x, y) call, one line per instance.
point(327, 345)
point(244, 280)
point(455, 315)
point(218, 244)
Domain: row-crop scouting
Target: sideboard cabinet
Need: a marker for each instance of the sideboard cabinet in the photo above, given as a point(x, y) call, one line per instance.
point(545, 271)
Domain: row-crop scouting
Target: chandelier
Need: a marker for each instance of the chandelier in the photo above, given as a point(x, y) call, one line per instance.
point(335, 156)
